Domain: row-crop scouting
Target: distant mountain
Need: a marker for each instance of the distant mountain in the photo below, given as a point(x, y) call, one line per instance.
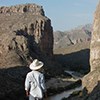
point(67, 38)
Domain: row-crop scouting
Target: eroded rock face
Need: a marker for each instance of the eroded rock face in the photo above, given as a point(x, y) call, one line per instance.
point(33, 8)
point(95, 42)
point(91, 82)
point(25, 32)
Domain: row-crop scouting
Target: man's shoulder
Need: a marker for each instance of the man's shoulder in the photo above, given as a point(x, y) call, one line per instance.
point(29, 73)
point(34, 73)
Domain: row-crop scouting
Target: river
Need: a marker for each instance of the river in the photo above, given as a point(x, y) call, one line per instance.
point(67, 93)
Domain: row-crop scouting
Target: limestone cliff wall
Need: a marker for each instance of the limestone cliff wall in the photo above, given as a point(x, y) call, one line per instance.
point(25, 32)
point(91, 82)
point(95, 42)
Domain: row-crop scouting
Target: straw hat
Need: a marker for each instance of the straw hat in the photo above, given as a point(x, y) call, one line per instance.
point(36, 64)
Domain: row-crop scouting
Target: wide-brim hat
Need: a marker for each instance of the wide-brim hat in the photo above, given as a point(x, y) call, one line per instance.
point(36, 64)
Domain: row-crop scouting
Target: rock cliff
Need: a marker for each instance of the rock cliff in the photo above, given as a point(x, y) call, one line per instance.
point(25, 32)
point(91, 82)
point(95, 42)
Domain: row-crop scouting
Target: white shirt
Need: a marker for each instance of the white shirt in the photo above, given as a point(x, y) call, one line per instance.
point(35, 84)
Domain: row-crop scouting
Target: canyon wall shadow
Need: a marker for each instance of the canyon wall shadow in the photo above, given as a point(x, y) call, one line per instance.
point(75, 61)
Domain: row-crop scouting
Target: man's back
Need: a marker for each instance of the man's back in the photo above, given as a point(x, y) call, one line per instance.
point(35, 83)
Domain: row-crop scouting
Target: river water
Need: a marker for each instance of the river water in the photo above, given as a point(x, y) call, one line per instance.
point(65, 94)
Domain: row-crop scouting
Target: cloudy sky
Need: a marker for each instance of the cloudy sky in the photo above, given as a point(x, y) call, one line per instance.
point(64, 14)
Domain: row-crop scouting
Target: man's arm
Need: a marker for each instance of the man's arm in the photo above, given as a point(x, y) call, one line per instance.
point(43, 85)
point(27, 85)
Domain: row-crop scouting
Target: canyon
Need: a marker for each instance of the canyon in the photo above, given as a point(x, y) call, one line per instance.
point(26, 33)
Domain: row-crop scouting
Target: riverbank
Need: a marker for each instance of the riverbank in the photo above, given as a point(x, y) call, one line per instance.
point(66, 94)
point(62, 87)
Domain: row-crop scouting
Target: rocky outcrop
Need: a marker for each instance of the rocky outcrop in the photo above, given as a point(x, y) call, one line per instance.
point(33, 8)
point(25, 32)
point(91, 82)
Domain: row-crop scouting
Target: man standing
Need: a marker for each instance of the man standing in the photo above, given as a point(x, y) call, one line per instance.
point(34, 82)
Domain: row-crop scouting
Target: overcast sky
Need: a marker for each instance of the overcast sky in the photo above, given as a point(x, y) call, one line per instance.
point(64, 14)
